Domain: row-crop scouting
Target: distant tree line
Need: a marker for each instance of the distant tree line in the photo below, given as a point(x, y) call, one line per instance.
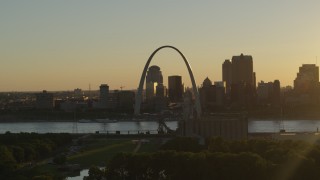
point(184, 158)
point(22, 150)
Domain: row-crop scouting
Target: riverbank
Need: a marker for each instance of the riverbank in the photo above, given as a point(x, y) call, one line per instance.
point(81, 121)
point(145, 120)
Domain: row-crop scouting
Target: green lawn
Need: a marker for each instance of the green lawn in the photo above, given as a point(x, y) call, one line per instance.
point(99, 152)
point(152, 146)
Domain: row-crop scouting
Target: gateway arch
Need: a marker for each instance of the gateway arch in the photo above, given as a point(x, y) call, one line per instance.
point(143, 76)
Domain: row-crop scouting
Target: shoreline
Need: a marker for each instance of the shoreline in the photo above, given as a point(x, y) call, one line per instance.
point(144, 120)
point(72, 121)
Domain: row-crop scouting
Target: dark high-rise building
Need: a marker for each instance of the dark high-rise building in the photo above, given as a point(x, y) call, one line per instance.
point(207, 95)
point(254, 81)
point(220, 92)
point(175, 88)
point(276, 93)
point(153, 78)
point(126, 100)
point(161, 101)
point(243, 88)
point(265, 92)
point(160, 90)
point(104, 95)
point(227, 74)
point(242, 69)
point(269, 93)
point(307, 80)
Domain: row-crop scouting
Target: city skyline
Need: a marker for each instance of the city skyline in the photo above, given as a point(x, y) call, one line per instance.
point(66, 45)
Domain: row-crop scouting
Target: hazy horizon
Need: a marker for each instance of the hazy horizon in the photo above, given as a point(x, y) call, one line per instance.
point(63, 45)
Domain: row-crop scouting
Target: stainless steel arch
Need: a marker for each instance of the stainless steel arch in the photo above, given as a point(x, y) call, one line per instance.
point(143, 76)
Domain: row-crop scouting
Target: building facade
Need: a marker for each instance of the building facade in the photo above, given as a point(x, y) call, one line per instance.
point(104, 95)
point(153, 78)
point(307, 80)
point(227, 74)
point(227, 126)
point(175, 88)
point(243, 88)
point(44, 100)
point(207, 95)
point(242, 69)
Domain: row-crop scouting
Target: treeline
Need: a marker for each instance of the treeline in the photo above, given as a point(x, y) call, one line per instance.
point(184, 158)
point(23, 149)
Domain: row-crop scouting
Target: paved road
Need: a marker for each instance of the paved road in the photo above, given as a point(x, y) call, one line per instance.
point(137, 147)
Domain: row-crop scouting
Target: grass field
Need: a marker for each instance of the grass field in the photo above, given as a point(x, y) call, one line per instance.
point(152, 146)
point(98, 152)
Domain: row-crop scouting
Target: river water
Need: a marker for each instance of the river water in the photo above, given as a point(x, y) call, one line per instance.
point(125, 127)
point(83, 173)
point(75, 127)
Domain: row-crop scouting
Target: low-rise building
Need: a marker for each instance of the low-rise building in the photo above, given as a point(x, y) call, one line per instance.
point(44, 100)
point(227, 126)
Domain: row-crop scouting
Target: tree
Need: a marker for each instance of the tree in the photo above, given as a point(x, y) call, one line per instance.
point(18, 153)
point(7, 161)
point(186, 144)
point(29, 152)
point(218, 145)
point(60, 159)
point(95, 174)
point(42, 177)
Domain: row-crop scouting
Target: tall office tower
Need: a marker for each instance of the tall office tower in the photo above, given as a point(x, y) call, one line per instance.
point(153, 78)
point(104, 95)
point(227, 74)
point(254, 81)
point(243, 81)
point(220, 92)
point(161, 101)
point(125, 101)
point(175, 88)
point(160, 90)
point(276, 93)
point(242, 69)
point(207, 95)
point(307, 80)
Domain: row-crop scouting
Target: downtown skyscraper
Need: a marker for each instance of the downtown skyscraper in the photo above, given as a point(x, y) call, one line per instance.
point(307, 80)
point(153, 79)
point(240, 80)
point(175, 88)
